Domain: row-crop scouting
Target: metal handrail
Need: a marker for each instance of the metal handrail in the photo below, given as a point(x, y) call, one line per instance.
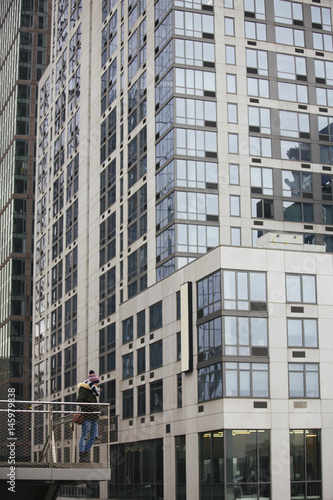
point(52, 420)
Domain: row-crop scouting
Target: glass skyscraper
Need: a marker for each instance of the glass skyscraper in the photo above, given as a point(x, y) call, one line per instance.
point(24, 54)
point(183, 240)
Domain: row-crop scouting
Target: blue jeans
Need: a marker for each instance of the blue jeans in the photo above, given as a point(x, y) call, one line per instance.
point(89, 427)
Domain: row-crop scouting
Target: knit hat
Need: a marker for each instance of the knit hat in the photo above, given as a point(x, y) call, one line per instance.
point(93, 378)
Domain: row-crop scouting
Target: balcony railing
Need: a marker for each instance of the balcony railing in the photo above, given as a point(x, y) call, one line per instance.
point(42, 434)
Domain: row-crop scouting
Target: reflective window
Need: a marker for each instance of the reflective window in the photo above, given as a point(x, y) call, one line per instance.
point(194, 82)
point(255, 31)
point(127, 326)
point(232, 113)
point(165, 243)
point(156, 396)
point(235, 236)
point(128, 365)
point(257, 87)
point(299, 151)
point(231, 84)
point(321, 18)
point(234, 206)
point(242, 334)
point(262, 209)
point(289, 36)
point(259, 120)
point(244, 290)
point(325, 128)
point(257, 62)
point(327, 214)
point(255, 7)
point(295, 184)
point(303, 380)
point(297, 212)
point(292, 92)
point(288, 12)
point(260, 146)
point(324, 72)
point(194, 53)
point(229, 26)
point(234, 462)
point(155, 316)
point(193, 24)
point(209, 294)
point(291, 67)
point(301, 288)
point(302, 332)
point(195, 238)
point(195, 112)
point(155, 355)
point(230, 54)
point(305, 463)
point(294, 124)
point(262, 180)
point(232, 143)
point(324, 96)
point(246, 380)
point(195, 142)
point(196, 206)
point(233, 173)
point(322, 41)
point(128, 403)
point(210, 382)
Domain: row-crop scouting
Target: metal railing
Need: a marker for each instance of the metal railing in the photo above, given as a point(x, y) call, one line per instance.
point(42, 434)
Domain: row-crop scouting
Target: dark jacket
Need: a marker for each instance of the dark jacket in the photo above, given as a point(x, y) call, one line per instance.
point(86, 396)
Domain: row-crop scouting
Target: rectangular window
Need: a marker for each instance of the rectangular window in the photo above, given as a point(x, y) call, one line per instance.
point(209, 294)
point(233, 173)
point(156, 396)
point(141, 400)
point(293, 92)
point(289, 36)
point(257, 62)
point(261, 180)
point(255, 8)
point(234, 206)
point(291, 67)
point(302, 332)
point(305, 463)
point(303, 380)
point(128, 403)
point(128, 366)
point(288, 12)
point(234, 462)
point(141, 323)
point(246, 380)
point(245, 336)
point(231, 83)
point(244, 290)
point(155, 316)
point(179, 390)
point(155, 355)
point(296, 151)
point(232, 113)
point(255, 31)
point(141, 360)
point(257, 87)
point(301, 288)
point(235, 236)
point(210, 382)
point(127, 330)
point(297, 212)
point(296, 184)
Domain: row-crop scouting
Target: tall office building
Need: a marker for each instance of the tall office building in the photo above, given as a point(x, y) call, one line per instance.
point(183, 240)
point(24, 54)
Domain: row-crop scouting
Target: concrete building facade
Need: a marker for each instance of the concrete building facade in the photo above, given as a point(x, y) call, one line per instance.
point(183, 240)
